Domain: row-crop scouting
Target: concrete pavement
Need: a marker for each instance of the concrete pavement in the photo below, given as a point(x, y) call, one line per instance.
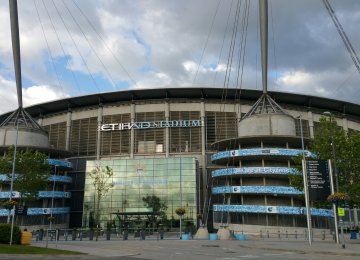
point(201, 249)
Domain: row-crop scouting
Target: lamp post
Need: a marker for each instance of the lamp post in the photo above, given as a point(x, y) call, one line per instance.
point(340, 221)
point(52, 197)
point(327, 113)
point(306, 191)
point(12, 183)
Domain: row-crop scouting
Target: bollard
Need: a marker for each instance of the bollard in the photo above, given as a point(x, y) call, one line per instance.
point(278, 233)
point(81, 235)
point(66, 235)
point(267, 234)
point(286, 234)
point(261, 234)
point(323, 235)
point(295, 234)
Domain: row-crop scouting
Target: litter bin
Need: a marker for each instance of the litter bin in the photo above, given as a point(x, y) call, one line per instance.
point(213, 236)
point(240, 237)
point(185, 237)
point(353, 234)
point(25, 237)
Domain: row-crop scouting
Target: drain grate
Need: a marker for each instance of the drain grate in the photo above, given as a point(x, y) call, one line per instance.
point(210, 245)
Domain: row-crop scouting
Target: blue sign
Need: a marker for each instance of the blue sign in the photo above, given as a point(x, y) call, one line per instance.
point(284, 210)
point(259, 152)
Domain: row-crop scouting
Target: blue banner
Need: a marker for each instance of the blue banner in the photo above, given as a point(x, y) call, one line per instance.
point(284, 210)
point(257, 190)
point(255, 170)
point(260, 152)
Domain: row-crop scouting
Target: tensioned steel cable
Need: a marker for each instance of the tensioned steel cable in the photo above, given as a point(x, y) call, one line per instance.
point(206, 42)
point(223, 41)
point(49, 50)
point(231, 52)
point(62, 47)
point(273, 39)
point(104, 43)
point(77, 48)
point(242, 53)
point(90, 45)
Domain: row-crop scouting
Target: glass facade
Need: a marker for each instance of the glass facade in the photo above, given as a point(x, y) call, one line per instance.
point(173, 180)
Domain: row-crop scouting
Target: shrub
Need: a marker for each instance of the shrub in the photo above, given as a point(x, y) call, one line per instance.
point(5, 230)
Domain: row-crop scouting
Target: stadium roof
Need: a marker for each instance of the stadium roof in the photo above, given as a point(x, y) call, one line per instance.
point(306, 101)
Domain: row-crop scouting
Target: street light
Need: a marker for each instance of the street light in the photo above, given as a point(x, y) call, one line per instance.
point(306, 191)
point(327, 113)
point(12, 183)
point(52, 197)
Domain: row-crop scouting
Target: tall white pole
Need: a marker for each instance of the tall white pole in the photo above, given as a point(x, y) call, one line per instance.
point(307, 202)
point(334, 206)
point(52, 199)
point(306, 190)
point(13, 168)
point(12, 183)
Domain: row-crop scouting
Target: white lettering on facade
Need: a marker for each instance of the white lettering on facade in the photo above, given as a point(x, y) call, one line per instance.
point(147, 125)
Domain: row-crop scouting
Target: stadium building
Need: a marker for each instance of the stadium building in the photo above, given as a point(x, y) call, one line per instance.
point(191, 147)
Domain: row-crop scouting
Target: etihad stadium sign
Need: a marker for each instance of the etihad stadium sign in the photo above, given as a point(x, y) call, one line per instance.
point(149, 125)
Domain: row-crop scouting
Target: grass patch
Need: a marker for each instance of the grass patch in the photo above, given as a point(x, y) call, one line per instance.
point(31, 250)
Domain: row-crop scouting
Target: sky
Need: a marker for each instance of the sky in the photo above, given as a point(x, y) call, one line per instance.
point(79, 47)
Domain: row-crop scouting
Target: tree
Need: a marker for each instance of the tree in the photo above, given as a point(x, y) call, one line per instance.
point(33, 170)
point(180, 212)
point(332, 141)
point(158, 207)
point(100, 177)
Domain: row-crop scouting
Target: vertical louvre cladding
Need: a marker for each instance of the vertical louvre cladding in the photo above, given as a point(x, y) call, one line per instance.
point(115, 142)
point(185, 139)
point(83, 136)
point(57, 135)
point(220, 125)
point(150, 140)
point(305, 127)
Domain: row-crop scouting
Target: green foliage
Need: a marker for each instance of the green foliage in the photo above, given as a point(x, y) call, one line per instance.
point(158, 207)
point(155, 204)
point(332, 142)
point(180, 211)
point(5, 230)
point(296, 179)
point(33, 168)
point(101, 177)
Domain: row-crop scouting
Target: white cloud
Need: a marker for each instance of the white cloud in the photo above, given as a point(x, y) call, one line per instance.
point(31, 95)
point(295, 79)
point(160, 43)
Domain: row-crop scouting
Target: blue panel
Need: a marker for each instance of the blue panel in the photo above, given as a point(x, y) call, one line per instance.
point(255, 170)
point(259, 152)
point(58, 178)
point(284, 210)
point(55, 194)
point(39, 211)
point(42, 194)
point(257, 190)
point(60, 163)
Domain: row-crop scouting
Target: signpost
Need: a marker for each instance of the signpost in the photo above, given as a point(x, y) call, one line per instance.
point(318, 179)
point(21, 210)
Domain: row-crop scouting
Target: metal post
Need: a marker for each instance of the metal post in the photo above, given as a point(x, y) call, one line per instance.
point(12, 184)
point(327, 113)
point(306, 191)
point(334, 206)
point(52, 199)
